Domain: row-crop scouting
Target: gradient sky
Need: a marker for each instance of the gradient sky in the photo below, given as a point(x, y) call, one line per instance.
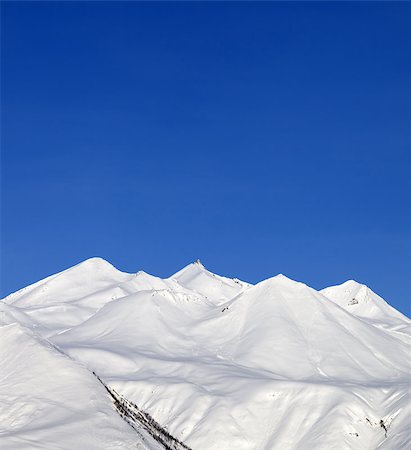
point(258, 137)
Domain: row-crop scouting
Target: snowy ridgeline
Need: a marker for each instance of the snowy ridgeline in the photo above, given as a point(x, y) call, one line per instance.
point(94, 358)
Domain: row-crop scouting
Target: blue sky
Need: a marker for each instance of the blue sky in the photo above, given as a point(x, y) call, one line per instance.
point(258, 137)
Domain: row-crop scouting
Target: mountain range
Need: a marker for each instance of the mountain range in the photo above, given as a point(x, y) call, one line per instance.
point(96, 358)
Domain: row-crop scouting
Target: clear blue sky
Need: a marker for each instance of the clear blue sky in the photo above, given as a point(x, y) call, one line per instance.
point(259, 137)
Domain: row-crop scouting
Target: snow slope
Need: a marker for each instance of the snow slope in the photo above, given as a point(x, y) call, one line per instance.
point(362, 302)
point(49, 401)
point(226, 365)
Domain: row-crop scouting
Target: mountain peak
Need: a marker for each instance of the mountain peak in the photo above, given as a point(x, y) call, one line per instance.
point(351, 291)
point(360, 300)
point(94, 263)
point(191, 269)
point(283, 280)
point(212, 286)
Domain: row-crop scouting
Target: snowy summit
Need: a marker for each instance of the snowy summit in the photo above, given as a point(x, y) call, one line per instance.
point(95, 358)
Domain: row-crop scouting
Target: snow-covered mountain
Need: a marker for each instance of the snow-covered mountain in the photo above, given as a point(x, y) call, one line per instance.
point(214, 363)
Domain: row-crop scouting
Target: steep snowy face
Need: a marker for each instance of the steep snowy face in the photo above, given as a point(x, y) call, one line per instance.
point(66, 299)
point(362, 302)
point(214, 287)
point(224, 364)
point(291, 330)
point(48, 401)
point(80, 281)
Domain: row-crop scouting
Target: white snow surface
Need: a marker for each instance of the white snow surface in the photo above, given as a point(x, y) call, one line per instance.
point(220, 363)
